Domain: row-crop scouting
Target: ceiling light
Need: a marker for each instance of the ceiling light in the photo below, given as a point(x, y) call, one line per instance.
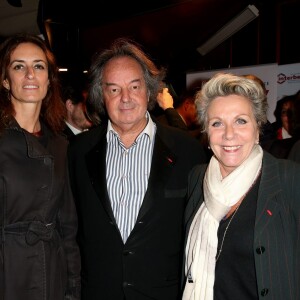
point(237, 23)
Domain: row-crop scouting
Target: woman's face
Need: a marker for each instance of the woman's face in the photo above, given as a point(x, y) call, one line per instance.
point(232, 131)
point(27, 79)
point(286, 112)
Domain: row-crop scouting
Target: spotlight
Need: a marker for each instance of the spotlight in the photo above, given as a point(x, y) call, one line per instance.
point(233, 26)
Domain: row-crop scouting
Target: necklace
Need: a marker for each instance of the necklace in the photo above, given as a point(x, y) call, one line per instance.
point(231, 218)
point(224, 235)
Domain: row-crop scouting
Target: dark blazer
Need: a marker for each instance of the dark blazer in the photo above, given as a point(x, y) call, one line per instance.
point(276, 245)
point(294, 154)
point(148, 266)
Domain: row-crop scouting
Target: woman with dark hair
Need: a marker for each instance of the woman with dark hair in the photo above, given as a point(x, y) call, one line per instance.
point(283, 114)
point(39, 256)
point(286, 127)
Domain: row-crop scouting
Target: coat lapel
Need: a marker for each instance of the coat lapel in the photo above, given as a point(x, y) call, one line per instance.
point(267, 206)
point(96, 165)
point(163, 162)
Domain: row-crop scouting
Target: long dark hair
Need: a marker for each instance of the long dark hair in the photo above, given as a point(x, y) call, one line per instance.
point(53, 110)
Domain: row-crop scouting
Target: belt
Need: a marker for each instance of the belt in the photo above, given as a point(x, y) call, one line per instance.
point(34, 231)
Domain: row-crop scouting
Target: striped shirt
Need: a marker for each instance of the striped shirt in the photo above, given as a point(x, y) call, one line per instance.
point(127, 173)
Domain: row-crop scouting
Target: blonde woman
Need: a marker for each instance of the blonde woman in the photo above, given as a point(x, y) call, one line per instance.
point(243, 213)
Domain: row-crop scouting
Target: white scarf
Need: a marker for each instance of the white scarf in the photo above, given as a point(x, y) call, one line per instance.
point(202, 243)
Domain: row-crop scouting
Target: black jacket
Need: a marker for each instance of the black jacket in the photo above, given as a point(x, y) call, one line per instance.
point(276, 246)
point(148, 266)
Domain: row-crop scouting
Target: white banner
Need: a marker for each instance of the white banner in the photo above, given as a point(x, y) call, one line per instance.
point(267, 73)
point(288, 80)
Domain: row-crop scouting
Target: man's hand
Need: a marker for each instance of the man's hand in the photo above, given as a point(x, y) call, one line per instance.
point(165, 99)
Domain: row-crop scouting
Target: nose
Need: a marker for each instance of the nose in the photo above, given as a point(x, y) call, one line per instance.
point(30, 73)
point(125, 96)
point(228, 133)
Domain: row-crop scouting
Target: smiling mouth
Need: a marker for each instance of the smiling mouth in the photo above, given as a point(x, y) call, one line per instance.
point(231, 148)
point(30, 86)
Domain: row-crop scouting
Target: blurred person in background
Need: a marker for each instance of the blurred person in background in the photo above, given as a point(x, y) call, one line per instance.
point(77, 120)
point(286, 127)
point(182, 114)
point(283, 114)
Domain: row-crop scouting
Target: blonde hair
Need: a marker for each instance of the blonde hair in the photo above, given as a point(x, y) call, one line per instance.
point(225, 84)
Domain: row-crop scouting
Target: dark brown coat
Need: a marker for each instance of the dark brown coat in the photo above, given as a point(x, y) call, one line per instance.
point(39, 258)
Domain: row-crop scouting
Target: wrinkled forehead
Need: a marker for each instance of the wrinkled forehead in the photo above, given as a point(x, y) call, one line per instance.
point(122, 64)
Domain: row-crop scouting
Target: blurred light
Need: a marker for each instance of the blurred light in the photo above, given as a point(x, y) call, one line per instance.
point(233, 26)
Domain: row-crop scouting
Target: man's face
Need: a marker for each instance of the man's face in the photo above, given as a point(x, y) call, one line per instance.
point(125, 93)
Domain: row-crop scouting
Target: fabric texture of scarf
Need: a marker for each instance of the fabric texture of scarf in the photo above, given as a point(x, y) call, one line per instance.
point(202, 243)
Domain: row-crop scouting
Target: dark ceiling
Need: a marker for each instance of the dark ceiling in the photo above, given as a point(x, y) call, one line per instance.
point(168, 30)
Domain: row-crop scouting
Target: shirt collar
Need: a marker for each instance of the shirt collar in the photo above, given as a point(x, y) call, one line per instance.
point(285, 134)
point(74, 130)
point(182, 118)
point(149, 129)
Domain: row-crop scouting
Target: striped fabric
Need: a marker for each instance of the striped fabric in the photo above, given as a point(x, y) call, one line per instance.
point(127, 175)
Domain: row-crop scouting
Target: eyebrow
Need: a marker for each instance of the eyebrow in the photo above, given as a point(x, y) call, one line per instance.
point(132, 81)
point(237, 116)
point(23, 61)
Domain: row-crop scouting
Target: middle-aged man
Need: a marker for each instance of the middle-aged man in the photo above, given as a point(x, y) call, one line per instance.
point(129, 179)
